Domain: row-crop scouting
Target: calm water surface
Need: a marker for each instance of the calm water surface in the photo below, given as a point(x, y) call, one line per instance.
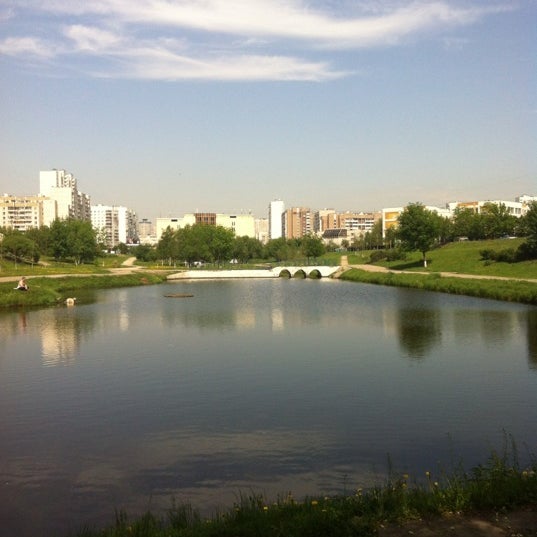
point(131, 399)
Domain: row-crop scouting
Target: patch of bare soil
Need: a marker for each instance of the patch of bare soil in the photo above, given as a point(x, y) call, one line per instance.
point(520, 523)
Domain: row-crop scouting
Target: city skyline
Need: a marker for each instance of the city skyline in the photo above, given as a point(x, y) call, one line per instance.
point(225, 106)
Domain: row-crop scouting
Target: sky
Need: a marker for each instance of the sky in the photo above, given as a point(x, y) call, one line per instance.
point(176, 106)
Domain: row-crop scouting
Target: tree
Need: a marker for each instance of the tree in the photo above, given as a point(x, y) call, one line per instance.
point(220, 243)
point(467, 223)
point(312, 246)
point(418, 229)
point(497, 221)
point(20, 247)
point(246, 248)
point(167, 247)
point(73, 239)
point(528, 249)
point(278, 249)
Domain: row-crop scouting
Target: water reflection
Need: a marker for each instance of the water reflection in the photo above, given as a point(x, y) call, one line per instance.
point(419, 331)
point(531, 331)
point(270, 386)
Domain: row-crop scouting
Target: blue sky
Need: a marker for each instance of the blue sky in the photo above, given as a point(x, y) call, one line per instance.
point(173, 106)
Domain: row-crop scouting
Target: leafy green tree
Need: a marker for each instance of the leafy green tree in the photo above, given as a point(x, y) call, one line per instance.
point(312, 246)
point(278, 249)
point(418, 229)
point(167, 247)
point(497, 221)
point(467, 223)
point(528, 249)
point(145, 252)
point(73, 239)
point(246, 248)
point(20, 248)
point(40, 236)
point(193, 243)
point(220, 243)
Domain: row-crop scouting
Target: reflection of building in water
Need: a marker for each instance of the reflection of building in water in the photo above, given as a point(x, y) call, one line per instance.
point(59, 346)
point(245, 317)
point(277, 319)
point(123, 314)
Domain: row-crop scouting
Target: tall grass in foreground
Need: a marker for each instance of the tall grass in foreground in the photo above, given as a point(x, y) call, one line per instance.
point(508, 290)
point(500, 485)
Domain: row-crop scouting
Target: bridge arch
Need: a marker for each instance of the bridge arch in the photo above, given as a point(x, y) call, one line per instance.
point(315, 274)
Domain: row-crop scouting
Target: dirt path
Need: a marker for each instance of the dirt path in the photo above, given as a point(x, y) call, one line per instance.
point(375, 268)
point(518, 523)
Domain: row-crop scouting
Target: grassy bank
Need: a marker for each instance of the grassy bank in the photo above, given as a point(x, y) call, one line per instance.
point(508, 290)
point(49, 291)
point(498, 486)
point(461, 257)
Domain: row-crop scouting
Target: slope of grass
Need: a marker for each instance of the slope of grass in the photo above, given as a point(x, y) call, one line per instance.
point(465, 257)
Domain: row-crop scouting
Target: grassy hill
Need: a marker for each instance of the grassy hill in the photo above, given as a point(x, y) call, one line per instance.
point(461, 257)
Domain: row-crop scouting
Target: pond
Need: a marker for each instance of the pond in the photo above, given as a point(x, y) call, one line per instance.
point(131, 398)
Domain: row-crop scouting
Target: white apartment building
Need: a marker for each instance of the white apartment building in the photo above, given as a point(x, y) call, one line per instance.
point(241, 224)
point(526, 202)
point(61, 187)
point(276, 227)
point(513, 207)
point(24, 212)
point(114, 224)
point(391, 215)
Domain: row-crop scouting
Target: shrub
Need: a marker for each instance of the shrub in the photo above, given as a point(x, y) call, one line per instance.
point(377, 255)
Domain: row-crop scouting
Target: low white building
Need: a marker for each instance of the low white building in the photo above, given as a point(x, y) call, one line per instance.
point(390, 216)
point(241, 224)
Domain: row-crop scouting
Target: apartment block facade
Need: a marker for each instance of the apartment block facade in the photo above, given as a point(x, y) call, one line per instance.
point(241, 224)
point(25, 212)
point(298, 222)
point(114, 224)
point(61, 187)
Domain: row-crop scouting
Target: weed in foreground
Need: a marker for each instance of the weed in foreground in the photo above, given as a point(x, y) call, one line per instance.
point(498, 485)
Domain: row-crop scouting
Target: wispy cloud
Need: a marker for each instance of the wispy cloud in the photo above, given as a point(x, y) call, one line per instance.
point(224, 39)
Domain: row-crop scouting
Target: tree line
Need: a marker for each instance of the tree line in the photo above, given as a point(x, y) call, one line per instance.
point(218, 245)
point(418, 229)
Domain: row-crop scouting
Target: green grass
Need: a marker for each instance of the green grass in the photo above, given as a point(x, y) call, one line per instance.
point(46, 291)
point(465, 257)
point(499, 485)
point(507, 290)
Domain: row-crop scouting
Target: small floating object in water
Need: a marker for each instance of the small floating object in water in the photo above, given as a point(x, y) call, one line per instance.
point(179, 295)
point(70, 301)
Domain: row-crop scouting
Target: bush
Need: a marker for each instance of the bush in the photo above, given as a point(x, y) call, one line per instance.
point(377, 255)
point(395, 254)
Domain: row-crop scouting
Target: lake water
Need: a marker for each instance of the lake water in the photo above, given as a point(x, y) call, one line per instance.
point(129, 398)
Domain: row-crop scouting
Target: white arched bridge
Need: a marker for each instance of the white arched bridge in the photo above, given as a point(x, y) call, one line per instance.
point(287, 271)
point(318, 271)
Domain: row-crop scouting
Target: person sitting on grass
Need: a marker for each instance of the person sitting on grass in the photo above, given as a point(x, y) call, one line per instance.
point(22, 286)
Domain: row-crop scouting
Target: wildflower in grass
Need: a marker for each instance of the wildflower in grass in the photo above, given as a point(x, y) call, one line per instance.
point(265, 508)
point(314, 502)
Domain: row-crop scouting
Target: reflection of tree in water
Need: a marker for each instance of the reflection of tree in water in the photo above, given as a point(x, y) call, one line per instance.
point(419, 331)
point(532, 338)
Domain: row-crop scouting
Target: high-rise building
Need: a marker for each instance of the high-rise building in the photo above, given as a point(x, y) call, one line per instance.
point(61, 187)
point(116, 224)
point(276, 210)
point(298, 222)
